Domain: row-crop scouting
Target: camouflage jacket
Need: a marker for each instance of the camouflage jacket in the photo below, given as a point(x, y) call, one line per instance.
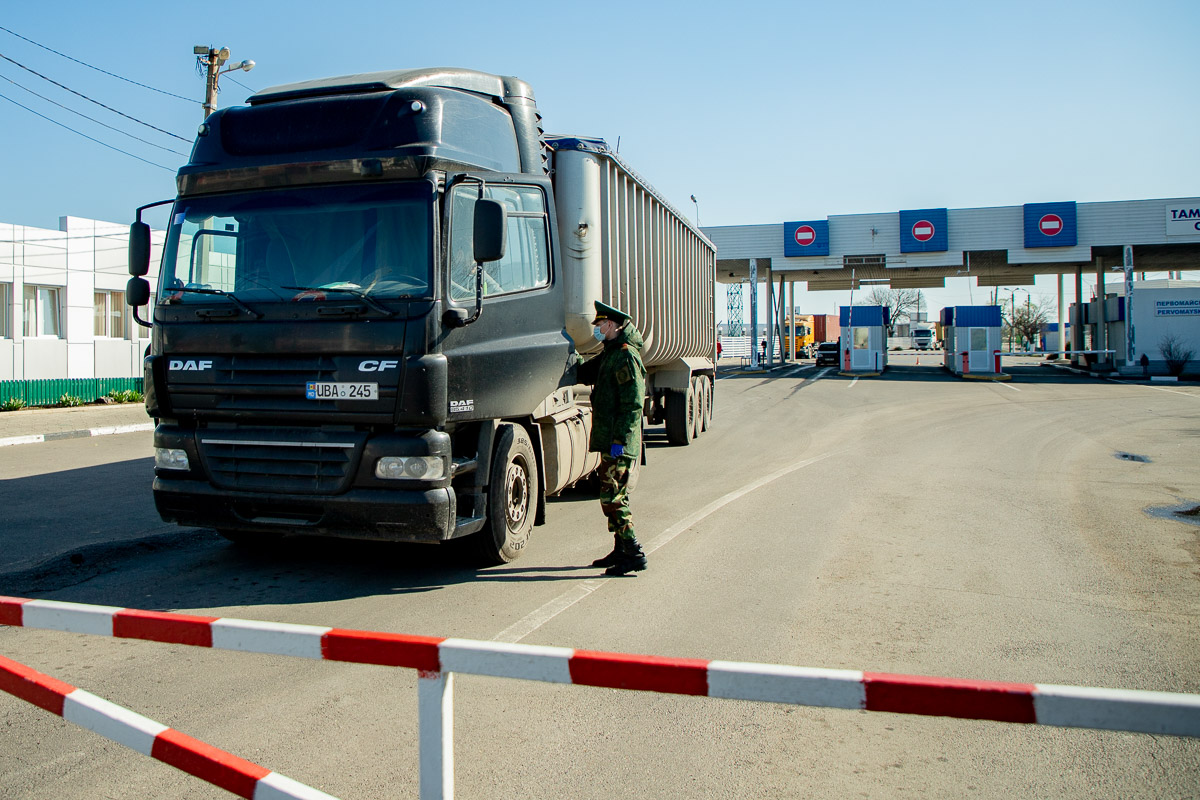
point(619, 380)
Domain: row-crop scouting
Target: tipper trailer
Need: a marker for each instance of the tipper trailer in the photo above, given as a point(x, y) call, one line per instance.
point(372, 293)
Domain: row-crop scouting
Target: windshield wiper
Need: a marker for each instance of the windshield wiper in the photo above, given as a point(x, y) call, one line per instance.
point(359, 293)
point(222, 293)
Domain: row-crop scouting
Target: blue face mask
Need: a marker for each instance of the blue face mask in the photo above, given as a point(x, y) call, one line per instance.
point(598, 334)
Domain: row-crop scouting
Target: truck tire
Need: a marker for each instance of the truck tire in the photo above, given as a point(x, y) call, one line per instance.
point(681, 415)
point(707, 384)
point(698, 394)
point(512, 497)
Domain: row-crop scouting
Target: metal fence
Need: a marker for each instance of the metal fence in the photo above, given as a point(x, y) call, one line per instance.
point(49, 392)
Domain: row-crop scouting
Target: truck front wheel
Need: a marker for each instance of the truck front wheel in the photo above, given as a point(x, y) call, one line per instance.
point(512, 497)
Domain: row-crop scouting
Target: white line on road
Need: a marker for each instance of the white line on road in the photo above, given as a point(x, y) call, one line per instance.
point(1173, 391)
point(1006, 386)
point(851, 384)
point(531, 622)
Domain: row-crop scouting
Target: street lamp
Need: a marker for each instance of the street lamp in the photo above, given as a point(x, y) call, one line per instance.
point(213, 59)
point(697, 205)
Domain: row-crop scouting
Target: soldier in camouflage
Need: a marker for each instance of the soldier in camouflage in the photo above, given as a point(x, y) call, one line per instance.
point(619, 380)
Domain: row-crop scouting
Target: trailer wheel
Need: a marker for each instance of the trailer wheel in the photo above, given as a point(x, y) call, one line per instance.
point(698, 394)
point(681, 415)
point(512, 497)
point(706, 383)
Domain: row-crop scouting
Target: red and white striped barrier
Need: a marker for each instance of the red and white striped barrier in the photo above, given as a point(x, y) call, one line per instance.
point(436, 659)
point(150, 738)
point(1065, 706)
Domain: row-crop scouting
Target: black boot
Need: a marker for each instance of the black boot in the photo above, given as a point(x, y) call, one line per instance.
point(611, 558)
point(631, 558)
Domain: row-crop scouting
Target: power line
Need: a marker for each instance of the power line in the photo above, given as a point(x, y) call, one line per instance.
point(92, 119)
point(90, 100)
point(84, 135)
point(89, 66)
point(239, 83)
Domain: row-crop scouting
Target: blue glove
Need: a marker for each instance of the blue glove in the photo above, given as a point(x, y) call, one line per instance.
point(617, 450)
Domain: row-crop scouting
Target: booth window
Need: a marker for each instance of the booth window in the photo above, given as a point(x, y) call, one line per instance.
point(862, 338)
point(110, 315)
point(979, 338)
point(42, 311)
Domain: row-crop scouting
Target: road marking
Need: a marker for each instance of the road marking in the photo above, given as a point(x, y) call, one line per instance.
point(851, 384)
point(1006, 386)
point(536, 619)
point(1172, 391)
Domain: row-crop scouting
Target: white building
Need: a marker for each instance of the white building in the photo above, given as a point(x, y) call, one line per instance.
point(62, 302)
point(1162, 310)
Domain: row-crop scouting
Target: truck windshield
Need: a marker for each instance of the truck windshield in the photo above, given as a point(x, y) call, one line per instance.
point(373, 241)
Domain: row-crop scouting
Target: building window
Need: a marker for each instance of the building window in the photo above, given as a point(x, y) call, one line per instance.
point(43, 311)
point(110, 315)
point(5, 310)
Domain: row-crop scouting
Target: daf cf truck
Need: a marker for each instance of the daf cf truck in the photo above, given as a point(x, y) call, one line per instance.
point(373, 295)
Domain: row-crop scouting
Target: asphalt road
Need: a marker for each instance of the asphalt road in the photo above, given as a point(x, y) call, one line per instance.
point(911, 523)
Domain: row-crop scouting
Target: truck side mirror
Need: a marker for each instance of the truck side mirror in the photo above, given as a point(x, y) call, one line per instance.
point(137, 293)
point(491, 231)
point(139, 251)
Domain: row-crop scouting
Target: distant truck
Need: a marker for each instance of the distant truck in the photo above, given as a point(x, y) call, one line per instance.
point(802, 343)
point(372, 293)
point(826, 328)
point(922, 338)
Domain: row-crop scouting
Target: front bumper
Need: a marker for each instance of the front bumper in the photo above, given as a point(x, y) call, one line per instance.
point(303, 480)
point(396, 515)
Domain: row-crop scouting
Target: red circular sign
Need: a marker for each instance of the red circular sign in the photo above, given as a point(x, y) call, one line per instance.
point(805, 235)
point(1050, 225)
point(922, 230)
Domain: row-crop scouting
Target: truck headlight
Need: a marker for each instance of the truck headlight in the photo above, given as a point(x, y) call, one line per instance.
point(170, 458)
point(418, 468)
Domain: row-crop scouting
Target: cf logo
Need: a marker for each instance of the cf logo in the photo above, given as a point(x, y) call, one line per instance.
point(377, 366)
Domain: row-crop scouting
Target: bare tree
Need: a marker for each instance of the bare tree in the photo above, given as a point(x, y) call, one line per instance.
point(1023, 323)
point(899, 302)
point(1175, 352)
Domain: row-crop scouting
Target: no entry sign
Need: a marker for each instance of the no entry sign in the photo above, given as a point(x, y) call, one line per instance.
point(1050, 224)
point(806, 238)
point(924, 230)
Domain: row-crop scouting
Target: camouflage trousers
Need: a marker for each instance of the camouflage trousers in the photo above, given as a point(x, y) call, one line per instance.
point(614, 494)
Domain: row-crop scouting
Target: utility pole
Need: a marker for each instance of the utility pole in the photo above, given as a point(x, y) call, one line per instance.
point(212, 60)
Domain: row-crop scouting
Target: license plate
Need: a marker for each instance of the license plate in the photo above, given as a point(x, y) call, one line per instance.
point(342, 391)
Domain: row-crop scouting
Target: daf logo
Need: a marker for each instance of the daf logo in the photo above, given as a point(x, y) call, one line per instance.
point(189, 366)
point(377, 366)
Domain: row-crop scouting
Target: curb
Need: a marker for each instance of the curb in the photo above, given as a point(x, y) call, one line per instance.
point(109, 430)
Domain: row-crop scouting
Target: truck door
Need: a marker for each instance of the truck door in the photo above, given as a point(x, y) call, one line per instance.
point(507, 361)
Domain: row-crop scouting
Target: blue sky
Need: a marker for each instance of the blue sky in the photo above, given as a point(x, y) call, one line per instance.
point(764, 111)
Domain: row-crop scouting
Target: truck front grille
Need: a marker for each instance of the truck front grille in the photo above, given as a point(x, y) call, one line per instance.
point(242, 386)
point(285, 466)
